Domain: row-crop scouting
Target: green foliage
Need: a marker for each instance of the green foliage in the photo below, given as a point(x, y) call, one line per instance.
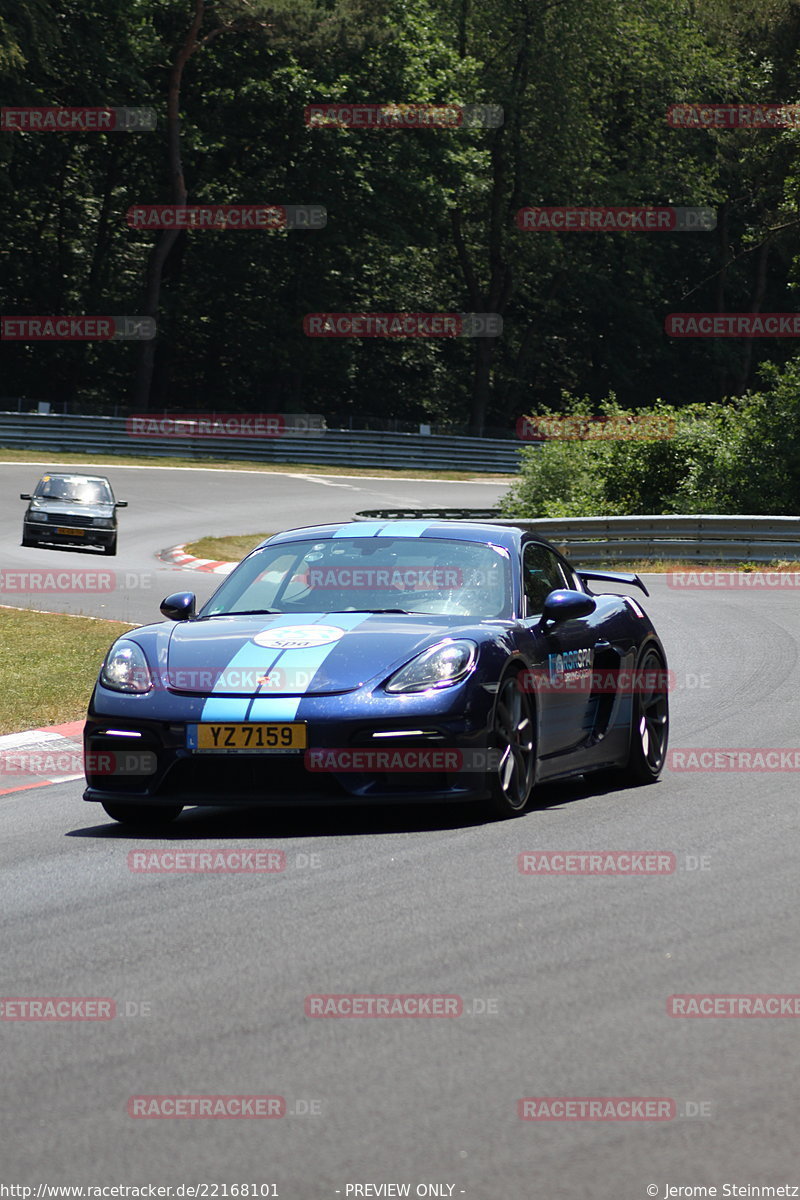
point(584, 85)
point(740, 457)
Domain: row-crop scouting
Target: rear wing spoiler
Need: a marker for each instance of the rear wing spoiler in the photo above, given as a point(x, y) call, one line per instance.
point(613, 577)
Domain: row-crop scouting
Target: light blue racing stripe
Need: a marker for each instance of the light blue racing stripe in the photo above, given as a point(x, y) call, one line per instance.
point(360, 529)
point(407, 529)
point(306, 660)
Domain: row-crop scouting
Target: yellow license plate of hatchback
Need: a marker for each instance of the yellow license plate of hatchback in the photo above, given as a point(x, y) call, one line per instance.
point(228, 739)
point(69, 530)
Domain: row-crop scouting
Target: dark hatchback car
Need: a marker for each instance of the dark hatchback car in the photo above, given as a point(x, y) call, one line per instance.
point(72, 510)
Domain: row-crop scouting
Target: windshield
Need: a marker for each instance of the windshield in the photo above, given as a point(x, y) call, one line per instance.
point(74, 488)
point(355, 574)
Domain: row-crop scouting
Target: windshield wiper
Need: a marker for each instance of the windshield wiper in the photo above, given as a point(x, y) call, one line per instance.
point(245, 612)
point(403, 611)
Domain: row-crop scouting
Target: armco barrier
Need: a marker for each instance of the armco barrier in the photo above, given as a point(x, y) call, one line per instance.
point(591, 540)
point(337, 447)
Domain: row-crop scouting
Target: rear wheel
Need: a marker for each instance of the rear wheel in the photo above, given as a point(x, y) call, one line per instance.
point(514, 739)
point(649, 720)
point(142, 814)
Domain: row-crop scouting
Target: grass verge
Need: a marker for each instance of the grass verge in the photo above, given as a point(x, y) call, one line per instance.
point(12, 454)
point(226, 549)
point(49, 664)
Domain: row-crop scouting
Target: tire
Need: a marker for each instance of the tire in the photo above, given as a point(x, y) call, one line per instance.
point(649, 724)
point(141, 814)
point(27, 541)
point(111, 548)
point(514, 735)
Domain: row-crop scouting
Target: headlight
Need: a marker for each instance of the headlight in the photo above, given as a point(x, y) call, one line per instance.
point(125, 669)
point(37, 516)
point(438, 667)
point(103, 522)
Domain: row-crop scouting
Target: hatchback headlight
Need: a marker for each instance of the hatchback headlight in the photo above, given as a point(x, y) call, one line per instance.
point(37, 516)
point(125, 669)
point(437, 667)
point(103, 522)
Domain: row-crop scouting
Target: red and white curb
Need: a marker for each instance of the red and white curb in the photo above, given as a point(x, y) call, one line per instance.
point(177, 557)
point(37, 757)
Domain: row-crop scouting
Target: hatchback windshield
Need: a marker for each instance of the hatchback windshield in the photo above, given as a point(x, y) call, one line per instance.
point(409, 575)
point(75, 489)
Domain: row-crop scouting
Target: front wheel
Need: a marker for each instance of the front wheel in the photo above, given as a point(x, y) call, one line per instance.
point(111, 548)
point(514, 740)
point(649, 720)
point(142, 814)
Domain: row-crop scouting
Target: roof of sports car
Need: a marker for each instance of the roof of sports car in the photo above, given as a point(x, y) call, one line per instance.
point(507, 536)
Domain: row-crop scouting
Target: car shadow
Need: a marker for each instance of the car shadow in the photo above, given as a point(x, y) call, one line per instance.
point(345, 820)
point(96, 551)
point(304, 822)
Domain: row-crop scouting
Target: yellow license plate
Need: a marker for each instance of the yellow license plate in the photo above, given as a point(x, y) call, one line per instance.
point(71, 532)
point(226, 739)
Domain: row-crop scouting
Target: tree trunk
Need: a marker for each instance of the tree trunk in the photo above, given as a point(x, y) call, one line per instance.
point(166, 238)
point(504, 199)
point(759, 292)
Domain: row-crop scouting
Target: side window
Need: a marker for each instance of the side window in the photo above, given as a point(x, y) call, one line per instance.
point(542, 573)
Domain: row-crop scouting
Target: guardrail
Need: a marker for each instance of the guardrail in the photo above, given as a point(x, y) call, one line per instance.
point(592, 540)
point(338, 447)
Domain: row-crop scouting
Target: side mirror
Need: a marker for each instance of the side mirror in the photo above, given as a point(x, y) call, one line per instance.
point(120, 504)
point(566, 605)
point(179, 606)
point(25, 496)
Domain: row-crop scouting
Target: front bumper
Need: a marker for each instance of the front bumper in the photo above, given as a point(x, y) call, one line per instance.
point(156, 767)
point(87, 536)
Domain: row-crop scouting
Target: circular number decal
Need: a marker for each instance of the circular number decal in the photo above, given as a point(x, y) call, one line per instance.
point(298, 637)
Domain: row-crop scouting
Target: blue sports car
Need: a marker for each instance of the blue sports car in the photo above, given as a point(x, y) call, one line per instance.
point(380, 661)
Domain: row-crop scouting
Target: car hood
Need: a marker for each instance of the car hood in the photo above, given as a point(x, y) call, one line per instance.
point(64, 508)
point(306, 654)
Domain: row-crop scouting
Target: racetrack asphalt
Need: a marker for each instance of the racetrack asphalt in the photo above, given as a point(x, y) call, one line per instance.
point(210, 971)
